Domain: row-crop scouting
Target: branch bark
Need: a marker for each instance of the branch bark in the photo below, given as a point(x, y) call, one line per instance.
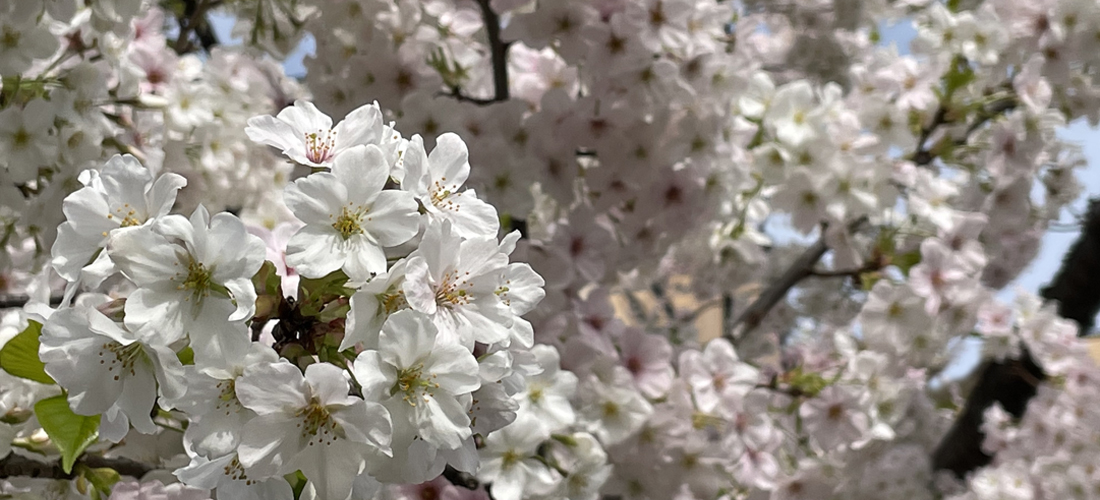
point(800, 269)
point(9, 301)
point(1012, 383)
point(17, 465)
point(194, 21)
point(498, 51)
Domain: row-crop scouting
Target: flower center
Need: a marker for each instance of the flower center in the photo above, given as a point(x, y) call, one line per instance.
point(510, 458)
point(441, 194)
point(199, 279)
point(452, 291)
point(125, 356)
point(127, 214)
point(393, 302)
point(227, 398)
point(10, 38)
point(21, 138)
point(235, 471)
point(348, 223)
point(315, 418)
point(414, 384)
point(321, 146)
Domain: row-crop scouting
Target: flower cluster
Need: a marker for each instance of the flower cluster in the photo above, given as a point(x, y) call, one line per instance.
point(229, 293)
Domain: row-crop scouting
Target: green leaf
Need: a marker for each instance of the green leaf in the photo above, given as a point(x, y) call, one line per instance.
point(960, 75)
point(186, 356)
point(297, 482)
point(267, 280)
point(315, 293)
point(71, 433)
point(907, 260)
point(19, 356)
point(101, 480)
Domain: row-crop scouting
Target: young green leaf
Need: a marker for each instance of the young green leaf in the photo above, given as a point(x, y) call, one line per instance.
point(71, 433)
point(19, 356)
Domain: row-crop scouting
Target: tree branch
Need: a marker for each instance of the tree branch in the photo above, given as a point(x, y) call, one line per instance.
point(801, 268)
point(755, 313)
point(1013, 383)
point(498, 51)
point(460, 479)
point(194, 20)
point(10, 301)
point(17, 465)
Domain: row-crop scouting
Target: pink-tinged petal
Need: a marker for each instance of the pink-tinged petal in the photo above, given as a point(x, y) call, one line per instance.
point(313, 251)
point(392, 219)
point(316, 199)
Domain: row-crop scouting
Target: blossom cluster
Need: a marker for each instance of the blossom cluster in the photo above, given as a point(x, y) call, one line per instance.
point(248, 298)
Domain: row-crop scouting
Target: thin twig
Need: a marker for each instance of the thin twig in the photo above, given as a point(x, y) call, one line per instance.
point(458, 95)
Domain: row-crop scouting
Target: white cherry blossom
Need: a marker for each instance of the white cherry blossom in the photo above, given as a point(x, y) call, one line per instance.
point(349, 219)
point(426, 372)
point(309, 423)
point(306, 135)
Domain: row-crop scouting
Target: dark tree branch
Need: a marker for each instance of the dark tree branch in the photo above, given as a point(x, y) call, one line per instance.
point(460, 479)
point(1013, 383)
point(1076, 287)
point(9, 301)
point(459, 96)
point(755, 313)
point(16, 465)
point(801, 268)
point(498, 51)
point(194, 21)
